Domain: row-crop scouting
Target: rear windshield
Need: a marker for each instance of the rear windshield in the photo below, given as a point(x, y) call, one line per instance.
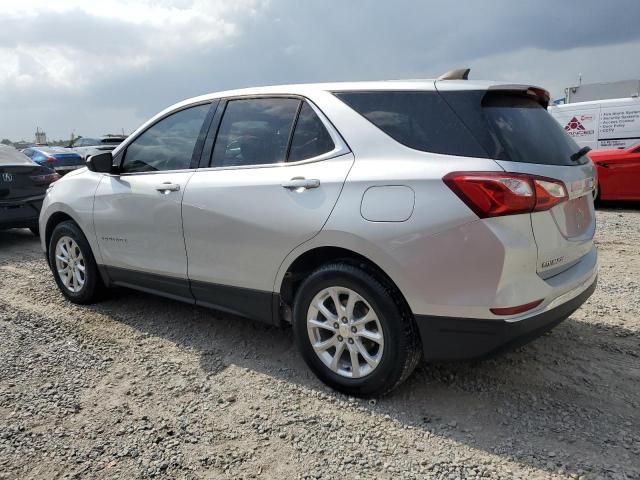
point(526, 132)
point(513, 127)
point(473, 123)
point(421, 120)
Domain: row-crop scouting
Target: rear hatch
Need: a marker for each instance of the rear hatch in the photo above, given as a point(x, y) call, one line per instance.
point(516, 130)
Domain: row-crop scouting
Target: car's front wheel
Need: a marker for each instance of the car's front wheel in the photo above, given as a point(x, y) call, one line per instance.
point(73, 265)
point(354, 332)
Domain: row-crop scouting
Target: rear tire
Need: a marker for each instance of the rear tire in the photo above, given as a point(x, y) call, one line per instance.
point(73, 265)
point(376, 341)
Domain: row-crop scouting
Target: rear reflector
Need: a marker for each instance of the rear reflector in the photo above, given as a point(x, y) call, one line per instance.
point(516, 310)
point(494, 194)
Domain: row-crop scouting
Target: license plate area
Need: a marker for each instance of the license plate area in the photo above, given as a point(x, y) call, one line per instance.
point(574, 217)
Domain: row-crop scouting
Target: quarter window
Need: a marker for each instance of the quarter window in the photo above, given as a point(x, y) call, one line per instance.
point(310, 137)
point(421, 120)
point(168, 144)
point(255, 131)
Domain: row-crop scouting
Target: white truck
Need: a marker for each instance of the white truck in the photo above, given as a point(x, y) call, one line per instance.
point(601, 124)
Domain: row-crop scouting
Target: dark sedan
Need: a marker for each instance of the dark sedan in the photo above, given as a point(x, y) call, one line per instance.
point(23, 184)
point(61, 159)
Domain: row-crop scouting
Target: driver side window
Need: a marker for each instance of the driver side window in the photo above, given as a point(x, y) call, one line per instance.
point(168, 144)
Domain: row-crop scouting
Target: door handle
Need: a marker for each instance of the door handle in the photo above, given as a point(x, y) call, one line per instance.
point(301, 183)
point(167, 187)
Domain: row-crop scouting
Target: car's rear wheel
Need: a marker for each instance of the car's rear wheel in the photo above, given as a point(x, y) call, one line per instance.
point(354, 331)
point(73, 265)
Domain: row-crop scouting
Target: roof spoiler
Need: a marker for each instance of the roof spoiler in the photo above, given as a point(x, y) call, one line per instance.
point(456, 74)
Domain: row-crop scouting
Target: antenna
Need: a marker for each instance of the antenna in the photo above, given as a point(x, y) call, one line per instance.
point(456, 74)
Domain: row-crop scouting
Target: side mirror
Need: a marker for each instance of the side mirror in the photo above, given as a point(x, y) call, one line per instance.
point(101, 163)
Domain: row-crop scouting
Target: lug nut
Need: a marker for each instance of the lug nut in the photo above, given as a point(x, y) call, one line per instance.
point(351, 341)
point(354, 329)
point(336, 325)
point(340, 338)
point(344, 320)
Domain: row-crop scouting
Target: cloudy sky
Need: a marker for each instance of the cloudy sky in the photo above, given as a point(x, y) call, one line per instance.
point(99, 66)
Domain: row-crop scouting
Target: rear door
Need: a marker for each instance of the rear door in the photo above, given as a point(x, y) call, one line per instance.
point(276, 172)
point(516, 130)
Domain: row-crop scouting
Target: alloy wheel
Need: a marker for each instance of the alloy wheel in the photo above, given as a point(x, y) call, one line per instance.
point(345, 332)
point(70, 264)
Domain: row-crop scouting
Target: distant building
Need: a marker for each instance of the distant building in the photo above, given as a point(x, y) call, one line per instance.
point(602, 91)
point(41, 137)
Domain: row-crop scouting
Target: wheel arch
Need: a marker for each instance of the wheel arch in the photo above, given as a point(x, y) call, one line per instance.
point(62, 215)
point(305, 262)
point(55, 219)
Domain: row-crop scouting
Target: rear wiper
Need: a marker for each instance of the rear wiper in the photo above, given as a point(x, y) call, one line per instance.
point(580, 153)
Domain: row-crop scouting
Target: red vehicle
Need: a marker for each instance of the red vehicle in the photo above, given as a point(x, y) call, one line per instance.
point(618, 173)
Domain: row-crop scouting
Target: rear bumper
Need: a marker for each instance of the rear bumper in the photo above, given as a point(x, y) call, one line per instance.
point(446, 338)
point(20, 214)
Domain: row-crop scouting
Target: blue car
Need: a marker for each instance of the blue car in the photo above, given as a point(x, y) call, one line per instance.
point(60, 159)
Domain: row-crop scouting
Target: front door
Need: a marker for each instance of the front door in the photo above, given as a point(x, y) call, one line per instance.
point(137, 214)
point(276, 174)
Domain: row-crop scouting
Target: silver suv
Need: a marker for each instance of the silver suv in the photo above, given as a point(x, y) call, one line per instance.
point(387, 221)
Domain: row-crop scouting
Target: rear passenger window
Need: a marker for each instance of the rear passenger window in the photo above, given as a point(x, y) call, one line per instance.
point(419, 120)
point(255, 131)
point(310, 137)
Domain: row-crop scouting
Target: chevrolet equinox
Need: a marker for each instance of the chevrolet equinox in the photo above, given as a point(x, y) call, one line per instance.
point(386, 221)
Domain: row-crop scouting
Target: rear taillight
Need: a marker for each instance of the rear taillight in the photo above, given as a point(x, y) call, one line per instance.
point(494, 194)
point(50, 159)
point(45, 179)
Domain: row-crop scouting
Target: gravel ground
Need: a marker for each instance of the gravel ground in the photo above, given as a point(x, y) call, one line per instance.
point(139, 386)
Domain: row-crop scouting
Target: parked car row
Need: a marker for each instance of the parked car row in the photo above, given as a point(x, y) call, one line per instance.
point(60, 159)
point(87, 146)
point(74, 155)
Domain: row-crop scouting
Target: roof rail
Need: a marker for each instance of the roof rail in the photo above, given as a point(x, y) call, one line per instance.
point(456, 74)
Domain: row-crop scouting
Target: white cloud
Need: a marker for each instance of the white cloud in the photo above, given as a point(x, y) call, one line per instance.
point(557, 69)
point(68, 59)
point(95, 66)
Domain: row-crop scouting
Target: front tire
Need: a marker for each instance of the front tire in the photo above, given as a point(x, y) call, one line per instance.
point(354, 331)
point(73, 265)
